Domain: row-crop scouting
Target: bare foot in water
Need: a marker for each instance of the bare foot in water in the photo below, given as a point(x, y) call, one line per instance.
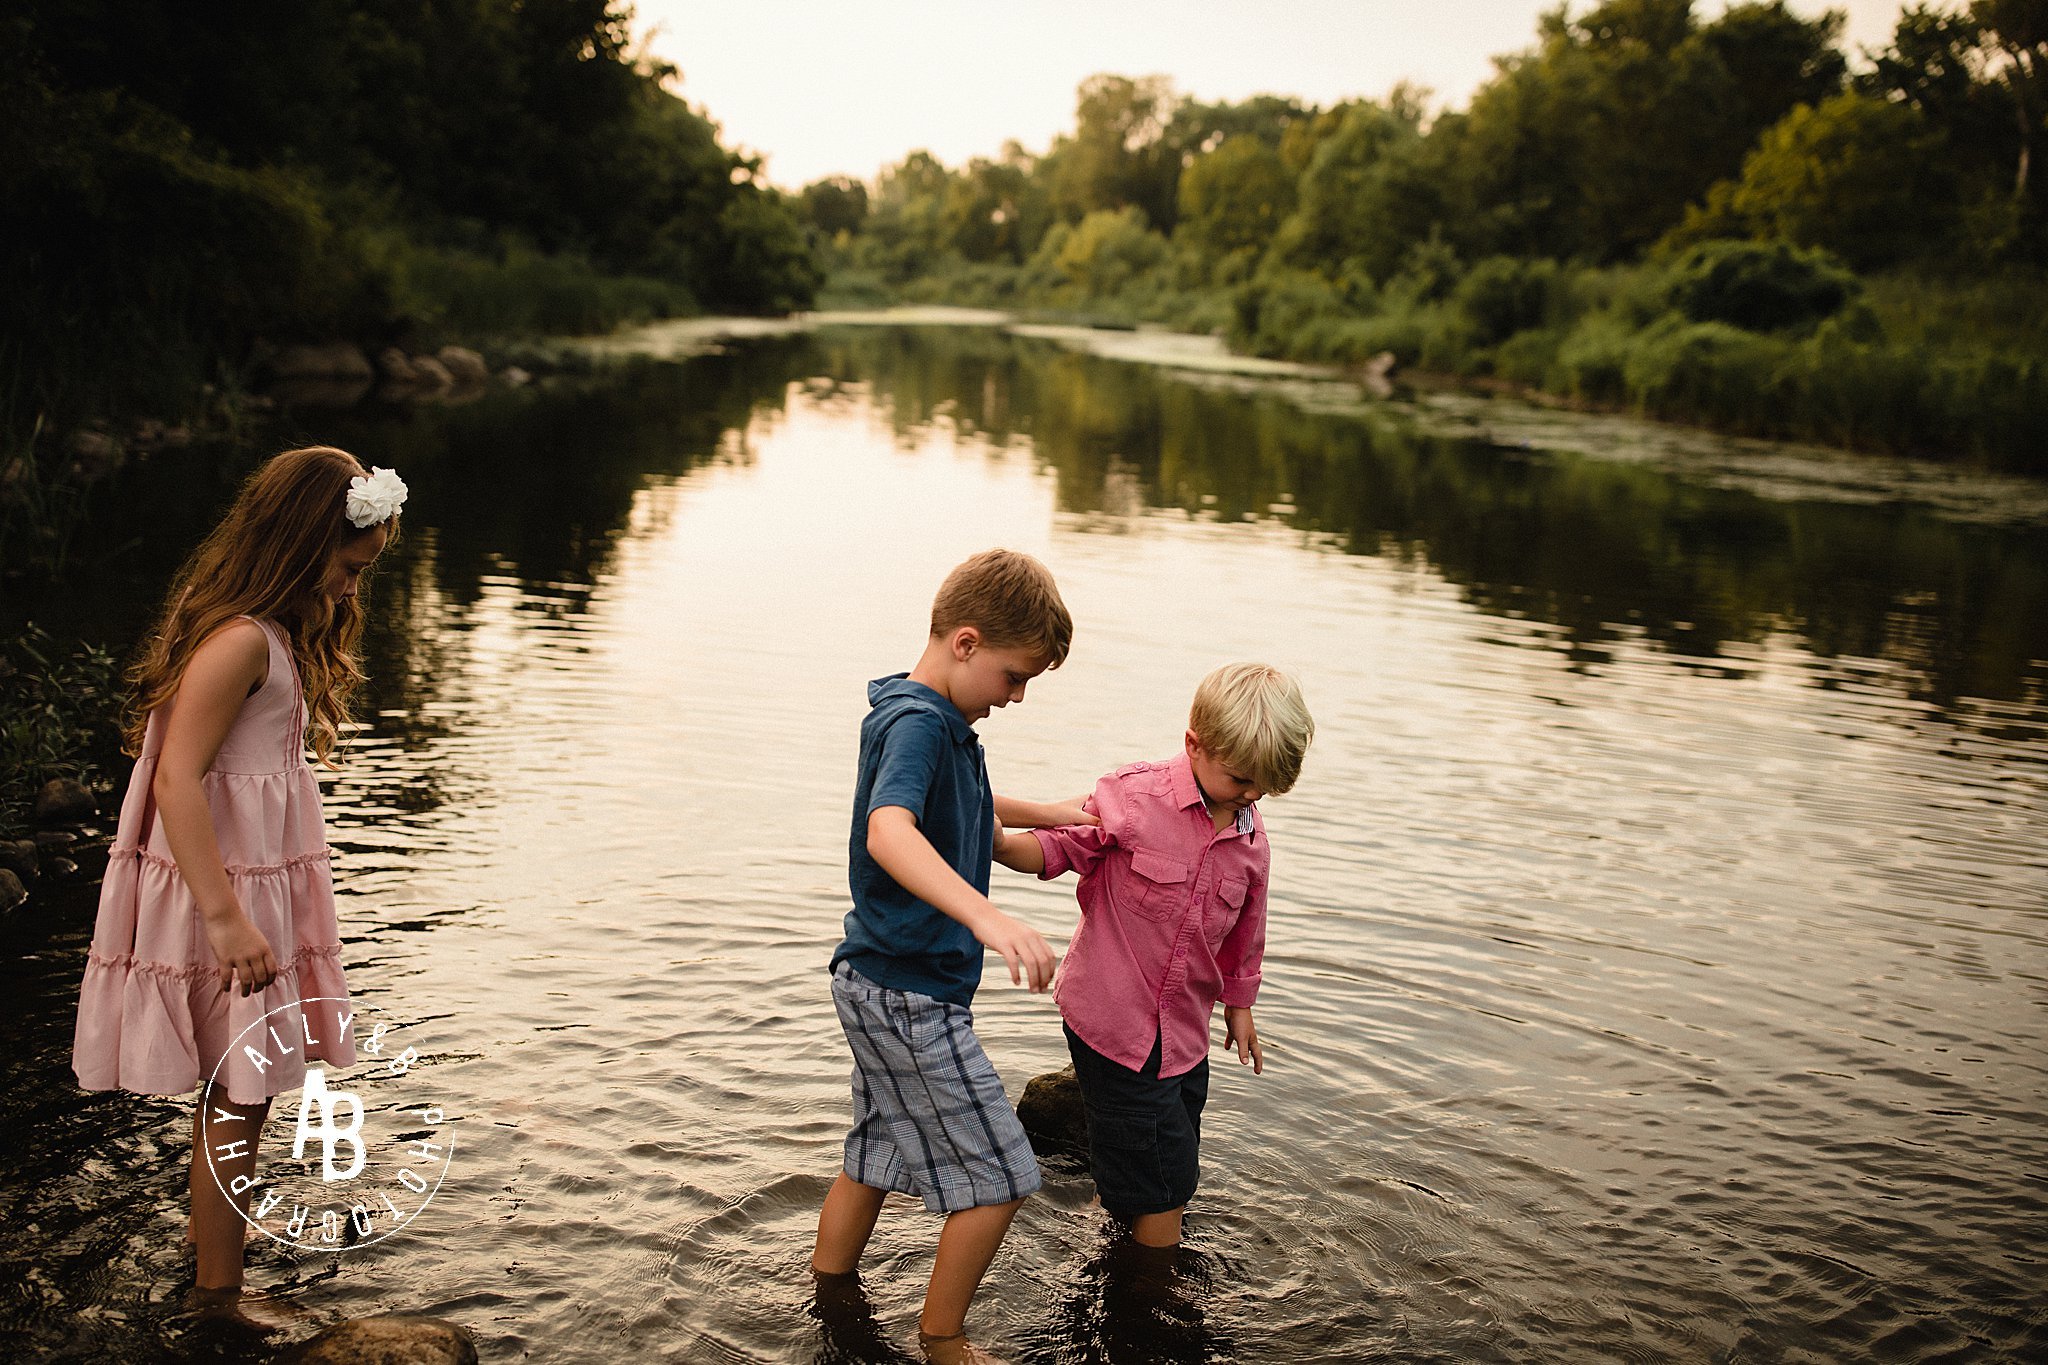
point(954, 1349)
point(247, 1309)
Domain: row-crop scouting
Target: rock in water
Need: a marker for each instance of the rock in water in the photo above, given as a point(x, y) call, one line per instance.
point(19, 857)
point(430, 374)
point(397, 367)
point(1053, 1117)
point(393, 1339)
point(63, 801)
point(465, 367)
point(336, 360)
point(12, 892)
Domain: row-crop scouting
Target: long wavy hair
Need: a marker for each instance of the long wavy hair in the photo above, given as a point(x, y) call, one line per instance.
point(268, 558)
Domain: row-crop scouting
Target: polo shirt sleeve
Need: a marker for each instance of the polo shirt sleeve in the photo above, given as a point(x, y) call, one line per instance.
point(908, 763)
point(1078, 848)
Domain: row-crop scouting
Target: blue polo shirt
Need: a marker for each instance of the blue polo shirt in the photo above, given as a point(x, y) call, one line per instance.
point(918, 752)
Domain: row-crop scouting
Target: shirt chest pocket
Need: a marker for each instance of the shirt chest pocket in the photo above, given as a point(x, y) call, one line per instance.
point(1226, 903)
point(1155, 885)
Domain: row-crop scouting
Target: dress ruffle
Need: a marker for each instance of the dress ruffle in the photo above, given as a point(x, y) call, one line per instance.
point(152, 1017)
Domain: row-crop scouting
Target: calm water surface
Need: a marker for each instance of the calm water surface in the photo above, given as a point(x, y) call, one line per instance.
point(1657, 952)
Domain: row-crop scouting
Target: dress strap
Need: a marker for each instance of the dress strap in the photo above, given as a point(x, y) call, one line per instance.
point(281, 651)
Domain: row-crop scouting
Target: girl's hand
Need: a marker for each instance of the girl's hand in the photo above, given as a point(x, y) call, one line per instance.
point(1240, 1033)
point(241, 952)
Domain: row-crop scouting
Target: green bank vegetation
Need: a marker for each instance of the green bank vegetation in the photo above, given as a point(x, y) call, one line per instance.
point(60, 712)
point(1710, 221)
point(180, 182)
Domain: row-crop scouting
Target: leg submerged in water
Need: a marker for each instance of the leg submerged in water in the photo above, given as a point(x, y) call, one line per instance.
point(1158, 1230)
point(966, 1247)
point(845, 1224)
point(224, 1137)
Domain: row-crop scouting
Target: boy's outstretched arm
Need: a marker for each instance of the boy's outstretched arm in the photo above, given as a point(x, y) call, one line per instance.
point(1019, 852)
point(1015, 814)
point(899, 846)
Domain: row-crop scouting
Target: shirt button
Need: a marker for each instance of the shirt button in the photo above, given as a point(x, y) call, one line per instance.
point(1180, 952)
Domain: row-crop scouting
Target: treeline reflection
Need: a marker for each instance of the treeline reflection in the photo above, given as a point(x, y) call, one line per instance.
point(1604, 550)
point(536, 487)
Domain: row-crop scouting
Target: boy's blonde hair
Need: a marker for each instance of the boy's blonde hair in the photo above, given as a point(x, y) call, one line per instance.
point(1011, 599)
point(1252, 717)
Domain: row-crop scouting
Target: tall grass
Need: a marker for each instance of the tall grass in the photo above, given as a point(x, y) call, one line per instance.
point(1756, 339)
point(59, 713)
point(465, 295)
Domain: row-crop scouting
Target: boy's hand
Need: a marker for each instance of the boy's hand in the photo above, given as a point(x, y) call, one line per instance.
point(1074, 812)
point(1013, 814)
point(1240, 1033)
point(1022, 947)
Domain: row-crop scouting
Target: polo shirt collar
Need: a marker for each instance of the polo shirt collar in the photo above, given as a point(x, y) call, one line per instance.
point(917, 693)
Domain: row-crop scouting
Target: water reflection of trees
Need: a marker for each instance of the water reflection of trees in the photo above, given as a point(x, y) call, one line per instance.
point(540, 483)
point(535, 487)
point(1606, 551)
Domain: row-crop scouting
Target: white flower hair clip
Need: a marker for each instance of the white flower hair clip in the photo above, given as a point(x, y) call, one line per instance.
point(374, 498)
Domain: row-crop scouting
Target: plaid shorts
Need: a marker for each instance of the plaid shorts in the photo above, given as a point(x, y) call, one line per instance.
point(929, 1114)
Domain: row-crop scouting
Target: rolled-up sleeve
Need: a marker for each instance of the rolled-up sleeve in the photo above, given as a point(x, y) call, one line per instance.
point(1244, 950)
point(1077, 848)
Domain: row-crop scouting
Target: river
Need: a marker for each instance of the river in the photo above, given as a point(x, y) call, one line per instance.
point(1657, 943)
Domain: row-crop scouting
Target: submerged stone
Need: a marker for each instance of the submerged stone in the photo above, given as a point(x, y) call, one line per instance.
point(390, 1339)
point(64, 801)
point(19, 857)
point(1053, 1118)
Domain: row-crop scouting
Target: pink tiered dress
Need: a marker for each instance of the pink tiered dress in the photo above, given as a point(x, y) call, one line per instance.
point(152, 1017)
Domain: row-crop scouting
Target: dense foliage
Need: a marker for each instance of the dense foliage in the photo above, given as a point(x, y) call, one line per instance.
point(1645, 208)
point(179, 180)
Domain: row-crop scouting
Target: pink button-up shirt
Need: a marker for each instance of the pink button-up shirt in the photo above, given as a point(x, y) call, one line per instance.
point(1173, 916)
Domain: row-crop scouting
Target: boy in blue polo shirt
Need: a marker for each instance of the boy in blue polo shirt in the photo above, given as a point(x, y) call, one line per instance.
point(929, 1114)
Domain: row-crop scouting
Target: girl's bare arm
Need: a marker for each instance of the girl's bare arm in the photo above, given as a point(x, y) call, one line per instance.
point(223, 671)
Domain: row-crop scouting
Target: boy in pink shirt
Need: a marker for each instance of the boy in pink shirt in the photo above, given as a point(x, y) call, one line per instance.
point(1173, 920)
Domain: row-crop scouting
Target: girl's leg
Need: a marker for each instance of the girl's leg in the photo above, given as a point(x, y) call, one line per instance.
point(193, 1171)
point(225, 1134)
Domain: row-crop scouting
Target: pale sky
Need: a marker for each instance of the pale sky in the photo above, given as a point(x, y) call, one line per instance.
point(825, 87)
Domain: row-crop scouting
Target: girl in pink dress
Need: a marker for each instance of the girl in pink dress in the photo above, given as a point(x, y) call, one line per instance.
point(218, 905)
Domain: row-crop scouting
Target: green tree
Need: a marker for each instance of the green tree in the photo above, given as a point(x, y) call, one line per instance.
point(906, 230)
point(1107, 251)
point(1594, 143)
point(1368, 194)
point(1979, 78)
point(1196, 128)
point(1855, 175)
point(996, 210)
point(2018, 31)
point(835, 204)
point(1234, 198)
point(1118, 154)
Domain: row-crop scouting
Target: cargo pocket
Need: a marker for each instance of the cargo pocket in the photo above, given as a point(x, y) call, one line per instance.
point(1225, 905)
point(1123, 1156)
point(1156, 886)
